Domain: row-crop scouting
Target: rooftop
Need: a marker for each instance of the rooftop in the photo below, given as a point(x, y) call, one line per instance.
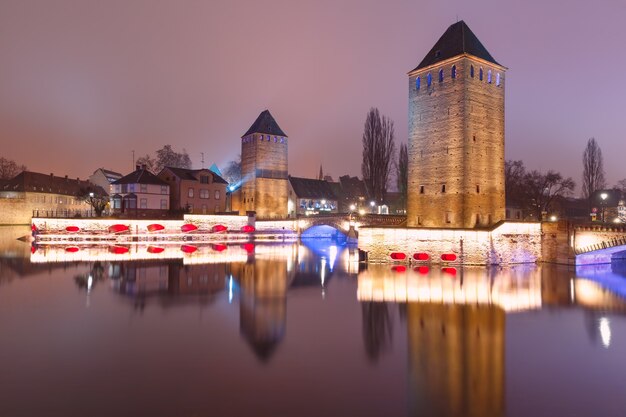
point(265, 123)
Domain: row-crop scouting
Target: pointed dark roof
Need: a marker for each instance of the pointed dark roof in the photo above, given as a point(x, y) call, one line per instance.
point(194, 174)
point(141, 176)
point(457, 40)
point(265, 123)
point(312, 188)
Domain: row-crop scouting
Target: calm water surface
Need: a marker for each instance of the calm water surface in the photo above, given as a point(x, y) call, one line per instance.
point(302, 330)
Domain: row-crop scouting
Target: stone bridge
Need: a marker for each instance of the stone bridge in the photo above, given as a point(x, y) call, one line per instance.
point(598, 243)
point(344, 222)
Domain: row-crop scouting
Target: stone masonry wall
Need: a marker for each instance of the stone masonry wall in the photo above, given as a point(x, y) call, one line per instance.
point(456, 140)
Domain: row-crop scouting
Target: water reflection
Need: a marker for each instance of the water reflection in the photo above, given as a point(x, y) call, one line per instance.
point(453, 338)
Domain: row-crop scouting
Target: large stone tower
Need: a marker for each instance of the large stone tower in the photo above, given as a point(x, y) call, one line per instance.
point(456, 135)
point(264, 169)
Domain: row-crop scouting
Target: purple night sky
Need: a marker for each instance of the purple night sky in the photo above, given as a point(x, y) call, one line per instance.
point(83, 83)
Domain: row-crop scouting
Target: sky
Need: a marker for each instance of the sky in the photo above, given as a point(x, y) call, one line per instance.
point(84, 83)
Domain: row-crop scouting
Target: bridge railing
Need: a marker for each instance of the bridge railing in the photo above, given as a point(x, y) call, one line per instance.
point(618, 241)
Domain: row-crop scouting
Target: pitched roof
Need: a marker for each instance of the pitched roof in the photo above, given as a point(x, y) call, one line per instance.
point(192, 174)
point(44, 183)
point(458, 39)
point(310, 188)
point(265, 123)
point(141, 176)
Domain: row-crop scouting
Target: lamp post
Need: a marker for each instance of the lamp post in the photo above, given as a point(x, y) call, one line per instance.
point(603, 196)
point(372, 205)
point(91, 204)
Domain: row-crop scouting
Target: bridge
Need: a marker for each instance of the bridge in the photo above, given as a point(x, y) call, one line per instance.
point(345, 221)
point(597, 243)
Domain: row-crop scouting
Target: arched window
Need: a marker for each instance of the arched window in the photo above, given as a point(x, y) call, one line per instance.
point(441, 75)
point(480, 74)
point(453, 71)
point(472, 71)
point(418, 81)
point(489, 76)
point(498, 79)
point(429, 79)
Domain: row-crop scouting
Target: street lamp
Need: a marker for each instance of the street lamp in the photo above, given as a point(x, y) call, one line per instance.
point(91, 204)
point(372, 205)
point(603, 196)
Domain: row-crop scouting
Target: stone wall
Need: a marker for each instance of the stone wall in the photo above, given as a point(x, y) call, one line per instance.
point(20, 210)
point(509, 243)
point(456, 141)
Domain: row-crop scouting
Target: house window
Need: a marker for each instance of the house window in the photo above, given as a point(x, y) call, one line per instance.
point(204, 179)
point(163, 204)
point(143, 203)
point(143, 188)
point(204, 194)
point(217, 194)
point(418, 81)
point(124, 188)
point(453, 71)
point(164, 189)
point(190, 192)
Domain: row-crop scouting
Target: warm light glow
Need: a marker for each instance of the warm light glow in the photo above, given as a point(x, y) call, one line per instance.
point(605, 331)
point(372, 203)
point(352, 207)
point(604, 196)
point(553, 218)
point(361, 212)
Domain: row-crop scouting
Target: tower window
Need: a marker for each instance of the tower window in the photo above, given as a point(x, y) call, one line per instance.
point(441, 75)
point(480, 74)
point(474, 138)
point(489, 76)
point(477, 189)
point(429, 79)
point(453, 71)
point(443, 188)
point(472, 71)
point(418, 81)
point(421, 189)
point(498, 79)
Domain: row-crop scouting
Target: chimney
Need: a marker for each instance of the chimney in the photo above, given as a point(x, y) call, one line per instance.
point(51, 174)
point(137, 167)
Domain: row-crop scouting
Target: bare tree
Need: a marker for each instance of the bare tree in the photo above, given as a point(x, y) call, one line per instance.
point(378, 153)
point(541, 191)
point(165, 157)
point(514, 173)
point(96, 197)
point(593, 169)
point(232, 171)
point(9, 168)
point(621, 185)
point(402, 178)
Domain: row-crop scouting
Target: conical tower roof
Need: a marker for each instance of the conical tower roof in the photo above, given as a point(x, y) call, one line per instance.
point(265, 123)
point(458, 39)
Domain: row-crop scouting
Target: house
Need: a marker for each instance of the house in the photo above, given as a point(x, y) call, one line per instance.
point(310, 196)
point(353, 192)
point(31, 194)
point(104, 178)
point(199, 191)
point(140, 194)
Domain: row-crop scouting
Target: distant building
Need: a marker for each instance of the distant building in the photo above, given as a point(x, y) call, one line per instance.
point(264, 169)
point(311, 196)
point(104, 178)
point(198, 191)
point(32, 193)
point(353, 192)
point(140, 194)
point(456, 135)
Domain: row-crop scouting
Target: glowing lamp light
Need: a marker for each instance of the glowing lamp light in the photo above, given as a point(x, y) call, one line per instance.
point(323, 202)
point(398, 256)
point(361, 212)
point(421, 256)
point(604, 196)
point(448, 257)
point(372, 203)
point(398, 268)
point(605, 331)
point(617, 220)
point(352, 207)
point(553, 218)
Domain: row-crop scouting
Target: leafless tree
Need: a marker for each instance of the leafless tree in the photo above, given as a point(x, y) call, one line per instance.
point(232, 171)
point(378, 153)
point(593, 169)
point(514, 172)
point(621, 185)
point(402, 177)
point(9, 168)
point(165, 157)
point(541, 191)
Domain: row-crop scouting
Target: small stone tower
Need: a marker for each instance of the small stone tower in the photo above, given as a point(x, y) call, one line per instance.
point(456, 135)
point(264, 169)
